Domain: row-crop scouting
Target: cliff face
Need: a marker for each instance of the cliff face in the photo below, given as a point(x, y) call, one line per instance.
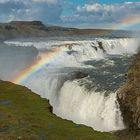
point(129, 96)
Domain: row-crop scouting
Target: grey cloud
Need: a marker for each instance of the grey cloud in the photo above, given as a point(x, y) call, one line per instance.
point(45, 10)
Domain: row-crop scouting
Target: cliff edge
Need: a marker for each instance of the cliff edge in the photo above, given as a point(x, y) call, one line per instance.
point(129, 96)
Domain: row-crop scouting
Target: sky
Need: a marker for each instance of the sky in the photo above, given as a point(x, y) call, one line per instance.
point(72, 13)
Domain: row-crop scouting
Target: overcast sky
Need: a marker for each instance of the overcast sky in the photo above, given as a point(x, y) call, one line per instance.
point(73, 13)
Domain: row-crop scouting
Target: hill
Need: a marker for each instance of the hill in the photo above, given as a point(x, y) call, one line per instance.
point(20, 29)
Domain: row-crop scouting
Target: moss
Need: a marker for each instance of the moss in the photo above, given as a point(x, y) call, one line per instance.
point(26, 116)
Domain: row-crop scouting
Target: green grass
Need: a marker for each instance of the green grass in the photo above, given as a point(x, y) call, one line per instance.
point(26, 116)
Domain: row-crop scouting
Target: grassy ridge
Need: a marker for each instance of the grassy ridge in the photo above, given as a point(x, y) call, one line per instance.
point(26, 116)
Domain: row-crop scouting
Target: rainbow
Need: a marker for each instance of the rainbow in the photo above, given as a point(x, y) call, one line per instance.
point(128, 22)
point(46, 59)
point(51, 56)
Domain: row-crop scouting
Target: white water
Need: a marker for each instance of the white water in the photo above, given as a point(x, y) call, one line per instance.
point(69, 99)
point(74, 102)
point(93, 108)
point(112, 46)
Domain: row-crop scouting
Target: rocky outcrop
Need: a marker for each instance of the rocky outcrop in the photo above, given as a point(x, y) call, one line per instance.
point(129, 96)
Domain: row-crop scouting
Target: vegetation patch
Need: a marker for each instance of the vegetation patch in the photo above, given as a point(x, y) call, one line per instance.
point(26, 116)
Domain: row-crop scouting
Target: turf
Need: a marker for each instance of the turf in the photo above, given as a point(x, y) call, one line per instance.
point(26, 116)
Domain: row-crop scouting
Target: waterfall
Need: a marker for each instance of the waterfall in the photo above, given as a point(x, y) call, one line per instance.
point(74, 102)
point(91, 108)
point(86, 49)
point(69, 99)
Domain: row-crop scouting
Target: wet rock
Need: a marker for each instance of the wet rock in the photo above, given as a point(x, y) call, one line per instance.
point(51, 109)
point(95, 48)
point(79, 75)
point(71, 52)
point(101, 46)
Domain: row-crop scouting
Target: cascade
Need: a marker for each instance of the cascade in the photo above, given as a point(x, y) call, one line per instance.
point(69, 99)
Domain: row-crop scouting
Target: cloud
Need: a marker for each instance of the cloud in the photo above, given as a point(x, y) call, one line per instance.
point(68, 13)
point(45, 10)
point(39, 1)
point(10, 9)
point(47, 1)
point(114, 12)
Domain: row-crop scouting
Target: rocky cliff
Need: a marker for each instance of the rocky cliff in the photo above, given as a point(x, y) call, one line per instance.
point(129, 96)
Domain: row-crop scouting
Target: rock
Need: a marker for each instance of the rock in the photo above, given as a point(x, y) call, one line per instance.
point(95, 48)
point(51, 109)
point(71, 52)
point(79, 75)
point(101, 46)
point(129, 96)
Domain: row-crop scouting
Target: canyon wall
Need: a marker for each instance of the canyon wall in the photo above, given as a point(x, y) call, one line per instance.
point(129, 96)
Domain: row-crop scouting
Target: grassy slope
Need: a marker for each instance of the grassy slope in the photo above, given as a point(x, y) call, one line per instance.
point(26, 116)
